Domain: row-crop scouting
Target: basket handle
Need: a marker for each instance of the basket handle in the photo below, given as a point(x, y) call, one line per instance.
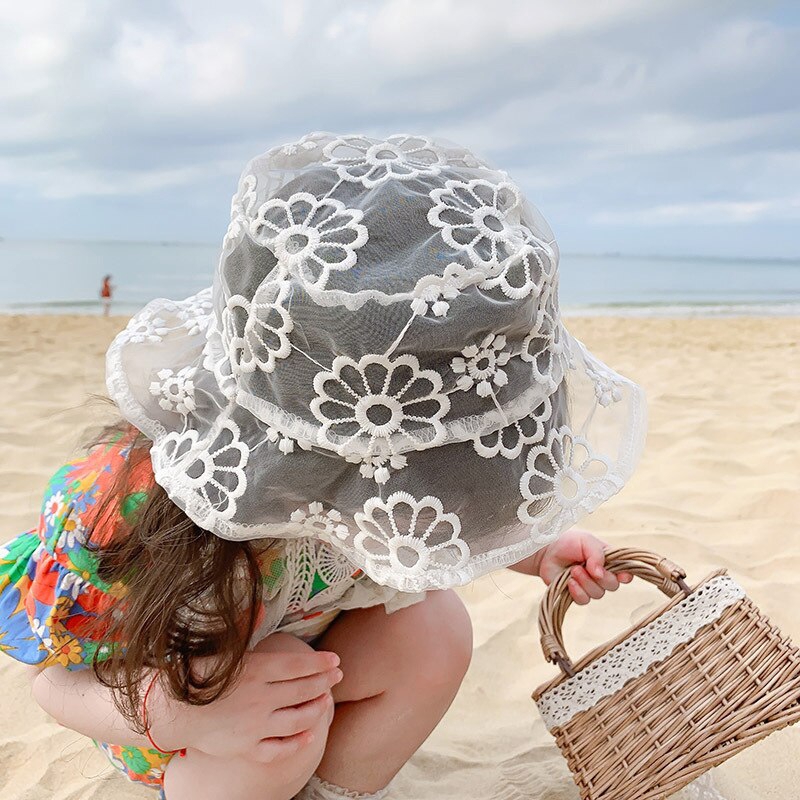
point(651, 567)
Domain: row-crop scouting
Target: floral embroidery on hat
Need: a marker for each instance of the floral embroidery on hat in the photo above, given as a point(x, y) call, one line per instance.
point(371, 402)
point(546, 347)
point(213, 467)
point(217, 362)
point(241, 207)
point(143, 328)
point(563, 475)
point(480, 365)
point(379, 468)
point(196, 312)
point(316, 520)
point(607, 384)
point(407, 534)
point(526, 272)
point(258, 332)
point(433, 292)
point(286, 444)
point(510, 440)
point(175, 390)
point(371, 163)
point(310, 237)
point(473, 217)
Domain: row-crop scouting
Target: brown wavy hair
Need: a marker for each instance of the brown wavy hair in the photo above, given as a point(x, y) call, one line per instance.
point(187, 593)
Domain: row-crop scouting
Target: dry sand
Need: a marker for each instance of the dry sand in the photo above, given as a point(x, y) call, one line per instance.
point(717, 486)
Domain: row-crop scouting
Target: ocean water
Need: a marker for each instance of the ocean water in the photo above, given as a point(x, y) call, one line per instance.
point(65, 276)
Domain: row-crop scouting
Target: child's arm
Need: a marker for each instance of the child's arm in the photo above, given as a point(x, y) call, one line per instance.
point(585, 554)
point(78, 701)
point(267, 714)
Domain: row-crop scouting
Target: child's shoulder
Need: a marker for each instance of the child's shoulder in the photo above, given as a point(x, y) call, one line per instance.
point(51, 589)
point(75, 502)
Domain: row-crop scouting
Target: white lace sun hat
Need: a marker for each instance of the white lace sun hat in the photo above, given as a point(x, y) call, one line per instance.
point(381, 364)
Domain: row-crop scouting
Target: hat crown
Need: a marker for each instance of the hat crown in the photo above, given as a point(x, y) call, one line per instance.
point(376, 296)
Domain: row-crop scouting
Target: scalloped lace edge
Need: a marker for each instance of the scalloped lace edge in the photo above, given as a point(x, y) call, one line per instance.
point(632, 657)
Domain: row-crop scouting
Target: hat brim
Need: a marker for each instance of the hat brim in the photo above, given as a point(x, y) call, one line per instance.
point(490, 500)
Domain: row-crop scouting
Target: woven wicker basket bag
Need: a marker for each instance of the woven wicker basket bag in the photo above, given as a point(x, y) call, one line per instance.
point(698, 680)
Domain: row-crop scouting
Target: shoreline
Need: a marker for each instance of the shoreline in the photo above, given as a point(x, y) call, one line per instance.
point(767, 310)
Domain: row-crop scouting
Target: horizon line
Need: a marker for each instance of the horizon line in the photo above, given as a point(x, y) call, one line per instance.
point(562, 253)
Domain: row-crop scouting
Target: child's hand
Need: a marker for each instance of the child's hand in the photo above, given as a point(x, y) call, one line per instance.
point(267, 715)
point(586, 552)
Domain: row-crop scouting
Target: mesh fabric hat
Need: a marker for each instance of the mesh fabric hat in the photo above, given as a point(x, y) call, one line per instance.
point(380, 363)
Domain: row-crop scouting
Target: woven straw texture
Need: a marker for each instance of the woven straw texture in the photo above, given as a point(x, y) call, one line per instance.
point(736, 681)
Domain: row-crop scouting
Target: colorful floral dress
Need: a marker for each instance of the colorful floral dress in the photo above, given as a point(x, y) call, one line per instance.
point(51, 590)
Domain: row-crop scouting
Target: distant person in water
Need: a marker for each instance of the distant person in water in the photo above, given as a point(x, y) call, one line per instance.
point(105, 295)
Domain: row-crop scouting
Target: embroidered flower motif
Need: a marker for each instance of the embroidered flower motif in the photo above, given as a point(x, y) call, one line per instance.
point(432, 292)
point(371, 163)
point(563, 480)
point(509, 441)
point(546, 346)
point(528, 271)
point(310, 237)
point(286, 443)
point(292, 149)
point(365, 405)
point(480, 366)
point(607, 386)
point(482, 219)
point(241, 207)
point(257, 332)
point(306, 143)
point(437, 297)
point(378, 467)
point(196, 312)
point(175, 390)
point(405, 535)
point(144, 329)
point(53, 508)
point(213, 468)
point(317, 521)
point(215, 359)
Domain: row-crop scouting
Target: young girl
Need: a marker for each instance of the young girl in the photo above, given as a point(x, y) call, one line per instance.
point(244, 589)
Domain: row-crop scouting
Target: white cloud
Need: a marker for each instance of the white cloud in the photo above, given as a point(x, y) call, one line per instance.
point(293, 16)
point(654, 133)
point(436, 31)
point(704, 213)
point(59, 176)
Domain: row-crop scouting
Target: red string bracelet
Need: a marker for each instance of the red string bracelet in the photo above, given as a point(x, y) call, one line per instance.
point(182, 751)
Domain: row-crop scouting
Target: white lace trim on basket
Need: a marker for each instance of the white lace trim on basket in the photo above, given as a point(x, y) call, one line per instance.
point(635, 655)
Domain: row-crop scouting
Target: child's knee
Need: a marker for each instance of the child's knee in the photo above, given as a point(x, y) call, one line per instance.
point(455, 635)
point(281, 643)
point(442, 636)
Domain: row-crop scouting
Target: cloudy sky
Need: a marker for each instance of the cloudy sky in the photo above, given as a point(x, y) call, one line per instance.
point(639, 126)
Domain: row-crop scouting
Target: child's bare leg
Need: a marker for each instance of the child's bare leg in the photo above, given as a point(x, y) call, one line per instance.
point(199, 776)
point(401, 673)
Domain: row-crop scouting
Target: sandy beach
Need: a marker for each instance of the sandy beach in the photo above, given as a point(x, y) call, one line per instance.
point(717, 486)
